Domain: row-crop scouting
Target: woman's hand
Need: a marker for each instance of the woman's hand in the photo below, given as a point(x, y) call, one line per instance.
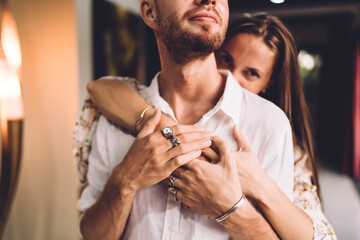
point(250, 172)
point(164, 120)
point(210, 189)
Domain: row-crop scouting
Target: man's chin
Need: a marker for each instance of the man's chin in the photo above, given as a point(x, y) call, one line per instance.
point(205, 27)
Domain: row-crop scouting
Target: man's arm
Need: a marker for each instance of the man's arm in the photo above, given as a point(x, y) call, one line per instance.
point(212, 189)
point(106, 219)
point(150, 159)
point(248, 223)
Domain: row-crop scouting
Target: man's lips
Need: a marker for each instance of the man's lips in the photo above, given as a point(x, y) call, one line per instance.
point(204, 17)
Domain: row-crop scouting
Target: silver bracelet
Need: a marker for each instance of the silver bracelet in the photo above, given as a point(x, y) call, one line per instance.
point(140, 118)
point(231, 210)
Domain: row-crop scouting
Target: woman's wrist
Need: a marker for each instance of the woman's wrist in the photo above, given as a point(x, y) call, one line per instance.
point(267, 190)
point(146, 115)
point(164, 121)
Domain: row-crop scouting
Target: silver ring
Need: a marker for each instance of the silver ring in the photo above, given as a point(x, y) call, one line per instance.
point(167, 132)
point(175, 141)
point(172, 181)
point(173, 193)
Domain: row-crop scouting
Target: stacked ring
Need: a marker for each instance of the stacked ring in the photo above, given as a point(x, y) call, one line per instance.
point(173, 193)
point(167, 132)
point(175, 141)
point(172, 181)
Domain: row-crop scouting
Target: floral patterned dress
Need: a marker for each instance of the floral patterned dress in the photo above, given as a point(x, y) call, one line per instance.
point(305, 195)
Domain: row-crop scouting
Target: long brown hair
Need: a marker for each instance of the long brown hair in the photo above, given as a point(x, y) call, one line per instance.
point(285, 88)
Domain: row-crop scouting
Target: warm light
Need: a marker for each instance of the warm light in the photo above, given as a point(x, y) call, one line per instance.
point(306, 60)
point(277, 1)
point(11, 106)
point(10, 40)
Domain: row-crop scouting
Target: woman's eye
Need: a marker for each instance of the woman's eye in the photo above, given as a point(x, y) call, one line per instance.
point(252, 73)
point(226, 60)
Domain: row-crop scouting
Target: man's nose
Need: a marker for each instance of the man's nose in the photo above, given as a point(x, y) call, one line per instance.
point(206, 2)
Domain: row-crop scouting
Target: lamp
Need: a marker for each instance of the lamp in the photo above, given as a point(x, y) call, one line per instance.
point(11, 112)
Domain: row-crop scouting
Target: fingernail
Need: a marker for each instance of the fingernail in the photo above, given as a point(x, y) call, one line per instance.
point(208, 142)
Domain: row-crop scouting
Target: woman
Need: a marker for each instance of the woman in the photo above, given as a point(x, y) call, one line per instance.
point(261, 54)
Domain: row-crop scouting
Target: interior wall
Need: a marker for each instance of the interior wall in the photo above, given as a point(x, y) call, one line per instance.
point(45, 201)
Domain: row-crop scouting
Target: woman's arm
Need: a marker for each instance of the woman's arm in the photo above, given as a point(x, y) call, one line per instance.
point(289, 221)
point(307, 199)
point(118, 100)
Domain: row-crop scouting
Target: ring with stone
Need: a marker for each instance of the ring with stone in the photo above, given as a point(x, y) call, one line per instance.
point(173, 193)
point(167, 132)
point(175, 141)
point(172, 181)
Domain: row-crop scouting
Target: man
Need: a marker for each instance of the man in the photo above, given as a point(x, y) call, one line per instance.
point(126, 198)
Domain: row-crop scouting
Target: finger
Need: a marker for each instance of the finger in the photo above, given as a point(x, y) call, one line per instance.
point(192, 165)
point(170, 180)
point(184, 148)
point(180, 160)
point(150, 125)
point(222, 147)
point(171, 193)
point(179, 183)
point(241, 140)
point(179, 172)
point(210, 155)
point(179, 129)
point(192, 136)
point(203, 158)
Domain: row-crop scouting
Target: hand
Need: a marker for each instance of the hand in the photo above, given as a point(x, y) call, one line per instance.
point(250, 172)
point(152, 158)
point(210, 189)
point(165, 120)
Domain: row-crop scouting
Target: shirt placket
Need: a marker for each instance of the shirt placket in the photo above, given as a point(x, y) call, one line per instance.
point(171, 220)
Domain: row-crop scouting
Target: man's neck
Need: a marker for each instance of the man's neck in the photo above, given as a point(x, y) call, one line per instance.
point(191, 89)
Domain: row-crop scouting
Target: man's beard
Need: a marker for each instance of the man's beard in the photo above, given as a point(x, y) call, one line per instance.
point(185, 46)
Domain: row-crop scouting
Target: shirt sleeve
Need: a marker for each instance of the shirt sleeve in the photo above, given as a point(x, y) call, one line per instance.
point(307, 199)
point(82, 138)
point(98, 172)
point(84, 130)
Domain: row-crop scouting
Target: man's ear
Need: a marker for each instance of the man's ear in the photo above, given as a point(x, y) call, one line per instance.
point(148, 13)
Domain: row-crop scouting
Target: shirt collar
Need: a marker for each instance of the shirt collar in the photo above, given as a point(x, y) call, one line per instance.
point(156, 100)
point(232, 99)
point(230, 103)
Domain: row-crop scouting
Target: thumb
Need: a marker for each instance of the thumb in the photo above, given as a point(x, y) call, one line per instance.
point(222, 147)
point(150, 125)
point(241, 140)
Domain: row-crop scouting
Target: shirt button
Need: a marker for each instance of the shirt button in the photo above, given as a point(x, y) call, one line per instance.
point(171, 228)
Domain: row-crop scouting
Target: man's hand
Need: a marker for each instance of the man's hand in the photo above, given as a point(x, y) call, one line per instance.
point(152, 158)
point(210, 189)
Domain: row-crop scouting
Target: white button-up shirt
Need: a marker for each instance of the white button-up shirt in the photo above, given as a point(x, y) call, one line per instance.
point(153, 214)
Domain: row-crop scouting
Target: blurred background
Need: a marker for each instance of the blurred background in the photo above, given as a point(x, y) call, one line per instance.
point(65, 44)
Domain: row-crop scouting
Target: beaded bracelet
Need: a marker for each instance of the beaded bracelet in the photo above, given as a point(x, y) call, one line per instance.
point(231, 210)
point(140, 118)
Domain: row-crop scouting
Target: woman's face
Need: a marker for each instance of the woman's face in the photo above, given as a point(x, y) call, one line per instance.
point(249, 59)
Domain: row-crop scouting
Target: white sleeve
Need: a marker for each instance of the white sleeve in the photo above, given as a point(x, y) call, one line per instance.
point(98, 173)
point(281, 168)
